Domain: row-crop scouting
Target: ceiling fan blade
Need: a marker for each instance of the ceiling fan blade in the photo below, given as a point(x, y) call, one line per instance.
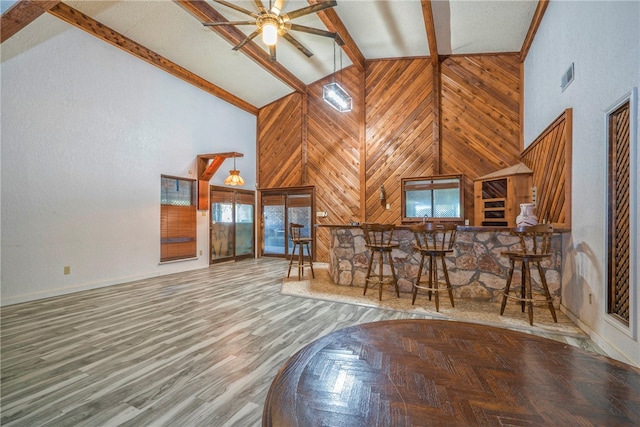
point(260, 6)
point(309, 9)
point(310, 30)
point(215, 24)
point(238, 8)
point(272, 53)
point(247, 40)
point(277, 7)
point(297, 44)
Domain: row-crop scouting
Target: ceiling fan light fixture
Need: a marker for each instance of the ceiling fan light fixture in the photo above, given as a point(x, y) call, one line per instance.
point(270, 33)
point(338, 98)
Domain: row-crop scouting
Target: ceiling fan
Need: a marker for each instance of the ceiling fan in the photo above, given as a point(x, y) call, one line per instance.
point(271, 22)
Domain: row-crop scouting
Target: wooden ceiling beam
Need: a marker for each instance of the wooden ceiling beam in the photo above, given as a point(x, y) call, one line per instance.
point(429, 24)
point(332, 21)
point(533, 28)
point(104, 33)
point(22, 14)
point(203, 12)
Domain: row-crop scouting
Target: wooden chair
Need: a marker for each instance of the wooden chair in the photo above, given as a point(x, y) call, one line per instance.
point(535, 246)
point(434, 241)
point(295, 234)
point(378, 238)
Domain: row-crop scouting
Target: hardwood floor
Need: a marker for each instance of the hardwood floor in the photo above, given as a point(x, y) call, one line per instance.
point(195, 348)
point(426, 372)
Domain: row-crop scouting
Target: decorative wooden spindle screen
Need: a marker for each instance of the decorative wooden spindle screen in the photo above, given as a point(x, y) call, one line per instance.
point(549, 157)
point(619, 213)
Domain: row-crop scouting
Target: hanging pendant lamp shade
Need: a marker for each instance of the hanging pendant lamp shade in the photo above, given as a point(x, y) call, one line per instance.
point(234, 177)
point(333, 94)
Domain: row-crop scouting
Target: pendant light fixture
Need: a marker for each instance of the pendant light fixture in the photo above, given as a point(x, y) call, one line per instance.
point(332, 93)
point(234, 177)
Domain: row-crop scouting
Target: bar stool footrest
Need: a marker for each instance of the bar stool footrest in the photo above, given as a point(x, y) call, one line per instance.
point(542, 300)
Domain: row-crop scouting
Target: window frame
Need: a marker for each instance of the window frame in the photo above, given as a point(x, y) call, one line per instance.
point(406, 182)
point(178, 225)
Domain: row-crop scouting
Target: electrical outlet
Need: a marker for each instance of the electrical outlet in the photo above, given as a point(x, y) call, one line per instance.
point(388, 206)
point(67, 269)
point(200, 252)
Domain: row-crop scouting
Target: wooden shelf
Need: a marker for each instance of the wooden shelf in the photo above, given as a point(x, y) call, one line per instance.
point(498, 198)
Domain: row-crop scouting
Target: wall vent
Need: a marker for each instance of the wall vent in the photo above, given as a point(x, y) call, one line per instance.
point(567, 77)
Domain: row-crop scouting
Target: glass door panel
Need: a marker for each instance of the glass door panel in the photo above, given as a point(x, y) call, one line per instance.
point(245, 211)
point(232, 232)
point(280, 208)
point(222, 219)
point(273, 219)
point(299, 212)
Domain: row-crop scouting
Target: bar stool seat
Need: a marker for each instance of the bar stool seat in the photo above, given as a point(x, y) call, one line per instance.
point(535, 246)
point(295, 234)
point(378, 239)
point(434, 241)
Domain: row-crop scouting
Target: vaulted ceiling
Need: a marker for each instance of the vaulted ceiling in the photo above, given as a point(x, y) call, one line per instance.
point(170, 34)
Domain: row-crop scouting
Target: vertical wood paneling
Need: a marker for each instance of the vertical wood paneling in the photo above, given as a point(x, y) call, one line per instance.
point(279, 143)
point(389, 134)
point(549, 157)
point(480, 117)
point(399, 130)
point(333, 156)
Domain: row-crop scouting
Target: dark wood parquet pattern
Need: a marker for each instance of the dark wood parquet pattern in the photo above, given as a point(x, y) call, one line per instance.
point(433, 372)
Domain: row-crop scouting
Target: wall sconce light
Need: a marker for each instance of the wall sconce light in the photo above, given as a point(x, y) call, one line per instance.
point(234, 177)
point(382, 196)
point(332, 93)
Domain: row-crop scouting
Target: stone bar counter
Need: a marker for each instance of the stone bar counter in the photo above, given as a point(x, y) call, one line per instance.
point(476, 268)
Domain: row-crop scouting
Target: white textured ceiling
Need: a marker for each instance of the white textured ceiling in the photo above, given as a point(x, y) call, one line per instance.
point(380, 29)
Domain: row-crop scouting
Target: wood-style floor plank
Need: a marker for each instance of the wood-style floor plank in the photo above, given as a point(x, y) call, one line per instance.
point(195, 348)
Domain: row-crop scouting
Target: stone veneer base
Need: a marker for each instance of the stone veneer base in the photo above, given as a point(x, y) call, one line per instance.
point(476, 268)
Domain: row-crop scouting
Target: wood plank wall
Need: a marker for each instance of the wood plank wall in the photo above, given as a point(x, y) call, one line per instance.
point(399, 131)
point(549, 157)
point(480, 111)
point(333, 156)
point(279, 148)
point(389, 134)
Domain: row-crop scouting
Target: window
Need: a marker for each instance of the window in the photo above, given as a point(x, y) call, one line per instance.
point(434, 197)
point(177, 218)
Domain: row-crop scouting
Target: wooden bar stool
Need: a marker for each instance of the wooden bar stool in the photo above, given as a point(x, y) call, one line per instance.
point(378, 238)
point(295, 234)
point(434, 241)
point(535, 246)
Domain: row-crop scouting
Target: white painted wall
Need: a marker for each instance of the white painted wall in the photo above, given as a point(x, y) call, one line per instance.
point(87, 130)
point(602, 39)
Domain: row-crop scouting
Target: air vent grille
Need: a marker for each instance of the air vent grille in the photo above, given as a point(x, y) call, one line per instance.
point(567, 77)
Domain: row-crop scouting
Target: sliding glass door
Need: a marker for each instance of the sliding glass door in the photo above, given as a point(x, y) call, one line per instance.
point(232, 224)
point(281, 207)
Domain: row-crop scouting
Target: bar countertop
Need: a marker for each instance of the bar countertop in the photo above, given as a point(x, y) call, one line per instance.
point(472, 228)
